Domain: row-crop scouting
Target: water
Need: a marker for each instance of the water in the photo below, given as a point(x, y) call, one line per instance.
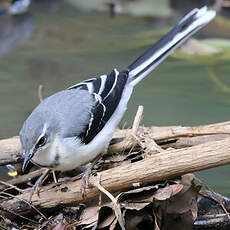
point(58, 46)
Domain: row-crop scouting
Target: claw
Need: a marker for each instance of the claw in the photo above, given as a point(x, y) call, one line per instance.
point(37, 186)
point(85, 175)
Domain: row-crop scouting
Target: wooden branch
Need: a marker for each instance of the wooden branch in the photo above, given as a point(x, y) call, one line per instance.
point(123, 139)
point(137, 119)
point(185, 142)
point(181, 131)
point(156, 167)
point(10, 151)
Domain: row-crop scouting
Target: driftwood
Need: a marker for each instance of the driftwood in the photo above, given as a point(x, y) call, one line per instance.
point(123, 140)
point(155, 167)
point(168, 137)
point(168, 133)
point(179, 150)
point(10, 151)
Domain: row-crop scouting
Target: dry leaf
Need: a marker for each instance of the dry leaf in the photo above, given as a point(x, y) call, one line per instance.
point(60, 226)
point(106, 217)
point(167, 192)
point(89, 216)
point(175, 206)
point(133, 205)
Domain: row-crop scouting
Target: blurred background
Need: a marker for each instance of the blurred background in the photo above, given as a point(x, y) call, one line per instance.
point(58, 43)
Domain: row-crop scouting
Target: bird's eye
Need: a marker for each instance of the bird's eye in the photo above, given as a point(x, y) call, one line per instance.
point(41, 142)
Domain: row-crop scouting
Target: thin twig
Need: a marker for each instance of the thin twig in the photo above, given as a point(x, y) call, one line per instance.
point(40, 87)
point(214, 194)
point(54, 177)
point(28, 203)
point(117, 208)
point(16, 214)
point(136, 124)
point(10, 187)
point(45, 224)
point(138, 140)
point(151, 145)
point(137, 119)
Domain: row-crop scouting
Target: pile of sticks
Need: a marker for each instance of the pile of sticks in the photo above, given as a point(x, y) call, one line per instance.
point(168, 152)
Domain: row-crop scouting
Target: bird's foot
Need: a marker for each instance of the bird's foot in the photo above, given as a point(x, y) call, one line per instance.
point(37, 186)
point(86, 173)
point(85, 178)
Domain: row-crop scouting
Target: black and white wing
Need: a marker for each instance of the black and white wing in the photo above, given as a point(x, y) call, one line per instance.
point(107, 92)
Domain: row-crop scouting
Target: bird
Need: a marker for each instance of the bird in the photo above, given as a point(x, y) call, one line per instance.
point(73, 127)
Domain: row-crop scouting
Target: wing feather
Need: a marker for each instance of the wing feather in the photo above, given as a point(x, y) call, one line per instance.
point(107, 92)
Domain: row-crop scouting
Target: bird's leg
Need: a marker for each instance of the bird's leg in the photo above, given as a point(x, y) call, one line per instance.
point(85, 178)
point(86, 173)
point(37, 186)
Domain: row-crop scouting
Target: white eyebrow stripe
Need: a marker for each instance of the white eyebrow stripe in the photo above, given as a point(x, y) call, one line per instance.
point(43, 132)
point(44, 128)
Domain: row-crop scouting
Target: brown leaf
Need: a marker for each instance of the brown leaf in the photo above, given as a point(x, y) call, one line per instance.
point(107, 222)
point(176, 207)
point(187, 179)
point(89, 216)
point(184, 202)
point(140, 195)
point(106, 217)
point(113, 225)
point(60, 226)
point(167, 192)
point(134, 205)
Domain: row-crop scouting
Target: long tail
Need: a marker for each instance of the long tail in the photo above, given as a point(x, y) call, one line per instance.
point(187, 26)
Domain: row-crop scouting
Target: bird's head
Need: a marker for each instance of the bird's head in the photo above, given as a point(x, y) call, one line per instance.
point(37, 136)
